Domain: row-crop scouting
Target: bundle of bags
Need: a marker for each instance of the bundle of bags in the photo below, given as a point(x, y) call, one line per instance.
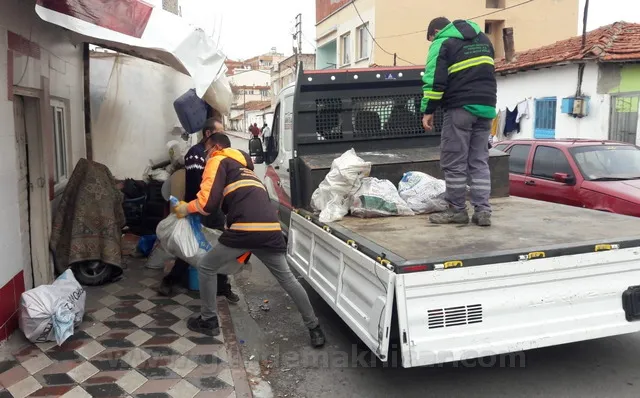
point(52, 312)
point(349, 188)
point(186, 238)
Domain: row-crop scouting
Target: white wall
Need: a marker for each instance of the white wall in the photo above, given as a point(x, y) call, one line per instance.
point(251, 78)
point(134, 114)
point(560, 82)
point(61, 63)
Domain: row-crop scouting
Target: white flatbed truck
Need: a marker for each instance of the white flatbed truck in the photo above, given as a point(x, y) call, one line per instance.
point(544, 274)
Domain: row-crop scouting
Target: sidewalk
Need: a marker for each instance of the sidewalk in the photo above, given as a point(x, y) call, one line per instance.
point(238, 134)
point(133, 343)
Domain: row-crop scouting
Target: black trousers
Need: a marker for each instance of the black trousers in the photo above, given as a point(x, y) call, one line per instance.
point(179, 275)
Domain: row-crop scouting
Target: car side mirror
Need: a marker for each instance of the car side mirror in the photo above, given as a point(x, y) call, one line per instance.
point(564, 178)
point(256, 151)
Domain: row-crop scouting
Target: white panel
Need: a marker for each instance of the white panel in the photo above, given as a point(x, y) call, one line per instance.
point(355, 286)
point(524, 305)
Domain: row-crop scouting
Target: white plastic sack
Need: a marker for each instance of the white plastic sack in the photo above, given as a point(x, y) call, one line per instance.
point(219, 95)
point(333, 197)
point(186, 238)
point(177, 151)
point(159, 256)
point(378, 198)
point(52, 312)
point(422, 192)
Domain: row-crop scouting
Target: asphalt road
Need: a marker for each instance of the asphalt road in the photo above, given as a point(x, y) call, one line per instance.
point(276, 340)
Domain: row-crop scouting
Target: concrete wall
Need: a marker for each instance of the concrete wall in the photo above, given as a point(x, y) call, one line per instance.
point(535, 24)
point(346, 20)
point(132, 112)
point(560, 82)
point(39, 59)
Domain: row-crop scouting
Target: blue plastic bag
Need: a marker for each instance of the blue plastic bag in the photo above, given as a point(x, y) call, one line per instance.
point(145, 244)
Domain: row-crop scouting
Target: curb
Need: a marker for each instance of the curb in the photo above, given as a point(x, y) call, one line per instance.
point(238, 372)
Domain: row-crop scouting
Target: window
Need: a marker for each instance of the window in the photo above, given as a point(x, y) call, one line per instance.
point(518, 156)
point(501, 147)
point(495, 4)
point(363, 41)
point(61, 166)
point(264, 93)
point(602, 162)
point(547, 161)
point(345, 47)
point(273, 145)
point(545, 118)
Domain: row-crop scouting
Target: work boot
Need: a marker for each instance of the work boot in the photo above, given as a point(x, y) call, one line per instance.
point(482, 218)
point(450, 216)
point(230, 296)
point(165, 288)
point(317, 337)
point(209, 327)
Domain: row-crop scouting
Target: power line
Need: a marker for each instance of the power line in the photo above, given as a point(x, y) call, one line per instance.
point(476, 17)
point(309, 41)
point(366, 26)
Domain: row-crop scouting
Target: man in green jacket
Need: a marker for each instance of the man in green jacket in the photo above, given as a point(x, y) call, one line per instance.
point(460, 78)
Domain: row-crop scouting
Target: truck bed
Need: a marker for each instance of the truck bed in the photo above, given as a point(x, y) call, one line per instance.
point(518, 225)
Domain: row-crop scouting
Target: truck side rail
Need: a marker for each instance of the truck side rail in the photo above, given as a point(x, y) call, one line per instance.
point(402, 265)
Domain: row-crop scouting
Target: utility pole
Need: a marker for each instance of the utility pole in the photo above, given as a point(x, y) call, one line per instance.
point(298, 36)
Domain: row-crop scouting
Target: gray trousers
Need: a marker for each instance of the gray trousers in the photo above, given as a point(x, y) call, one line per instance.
point(223, 259)
point(465, 159)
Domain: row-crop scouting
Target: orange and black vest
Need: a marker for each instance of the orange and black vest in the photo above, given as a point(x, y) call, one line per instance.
point(229, 183)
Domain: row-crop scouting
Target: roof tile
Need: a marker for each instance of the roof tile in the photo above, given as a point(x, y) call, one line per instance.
point(616, 42)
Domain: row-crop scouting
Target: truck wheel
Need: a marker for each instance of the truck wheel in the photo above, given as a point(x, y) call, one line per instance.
point(92, 273)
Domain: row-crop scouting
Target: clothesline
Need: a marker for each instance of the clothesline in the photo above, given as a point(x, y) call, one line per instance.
point(508, 120)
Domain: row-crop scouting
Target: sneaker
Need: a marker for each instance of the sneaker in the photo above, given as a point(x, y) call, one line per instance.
point(450, 216)
point(208, 328)
point(230, 296)
point(317, 337)
point(165, 288)
point(482, 218)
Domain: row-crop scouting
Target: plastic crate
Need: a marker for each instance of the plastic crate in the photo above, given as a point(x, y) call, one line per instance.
point(192, 111)
point(154, 192)
point(134, 210)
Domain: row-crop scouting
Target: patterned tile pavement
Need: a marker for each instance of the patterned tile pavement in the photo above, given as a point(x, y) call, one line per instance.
point(132, 343)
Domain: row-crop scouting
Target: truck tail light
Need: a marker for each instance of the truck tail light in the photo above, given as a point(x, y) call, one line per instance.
point(415, 268)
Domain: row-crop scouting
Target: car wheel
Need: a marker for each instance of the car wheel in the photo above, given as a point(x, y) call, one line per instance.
point(92, 273)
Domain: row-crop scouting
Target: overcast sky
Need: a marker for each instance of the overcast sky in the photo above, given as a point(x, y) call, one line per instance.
point(251, 27)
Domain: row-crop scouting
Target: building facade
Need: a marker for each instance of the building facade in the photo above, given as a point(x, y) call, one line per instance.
point(43, 137)
point(284, 72)
point(547, 80)
point(345, 28)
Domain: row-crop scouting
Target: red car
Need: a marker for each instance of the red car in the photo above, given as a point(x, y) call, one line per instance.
point(600, 175)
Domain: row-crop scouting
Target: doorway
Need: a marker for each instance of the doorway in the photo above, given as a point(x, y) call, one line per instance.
point(32, 191)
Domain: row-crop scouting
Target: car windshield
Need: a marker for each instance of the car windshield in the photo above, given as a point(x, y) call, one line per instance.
point(608, 162)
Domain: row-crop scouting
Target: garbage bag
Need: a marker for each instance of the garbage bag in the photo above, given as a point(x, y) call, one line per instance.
point(333, 197)
point(422, 192)
point(159, 257)
point(378, 198)
point(177, 151)
point(186, 238)
point(52, 312)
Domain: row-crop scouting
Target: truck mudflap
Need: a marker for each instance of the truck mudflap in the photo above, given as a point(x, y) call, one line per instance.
point(463, 313)
point(359, 289)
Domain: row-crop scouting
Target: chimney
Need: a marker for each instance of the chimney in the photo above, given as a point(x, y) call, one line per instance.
point(509, 47)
